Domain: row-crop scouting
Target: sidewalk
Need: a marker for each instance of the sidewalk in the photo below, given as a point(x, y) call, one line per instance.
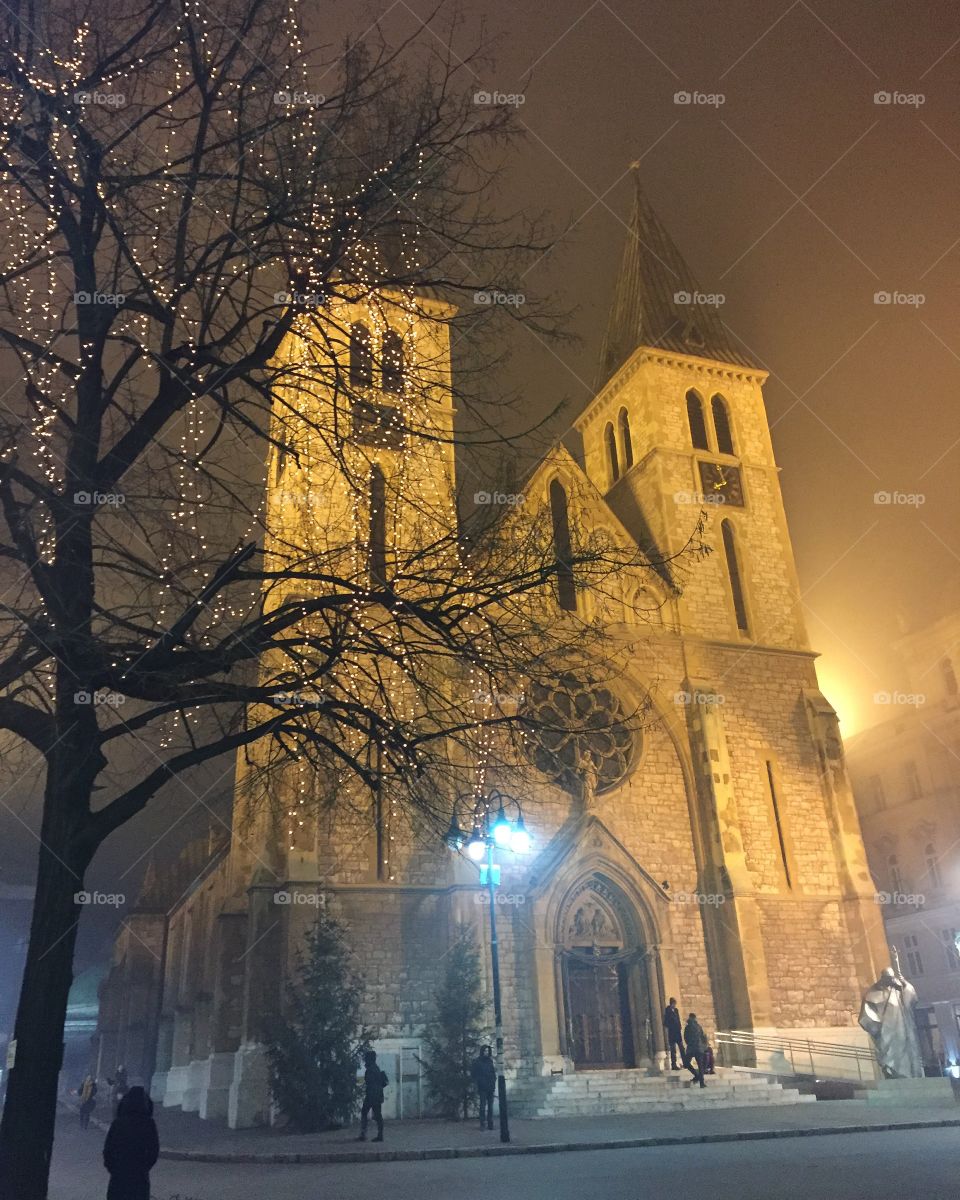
point(185, 1137)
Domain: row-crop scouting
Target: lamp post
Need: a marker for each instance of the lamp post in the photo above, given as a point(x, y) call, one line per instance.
point(481, 844)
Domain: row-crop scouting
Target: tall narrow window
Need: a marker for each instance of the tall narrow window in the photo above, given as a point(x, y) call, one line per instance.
point(933, 865)
point(697, 422)
point(778, 823)
point(566, 591)
point(393, 365)
point(721, 425)
point(896, 878)
point(950, 952)
point(912, 947)
point(949, 676)
point(912, 779)
point(626, 441)
point(733, 575)
point(877, 794)
point(610, 441)
point(378, 528)
point(361, 357)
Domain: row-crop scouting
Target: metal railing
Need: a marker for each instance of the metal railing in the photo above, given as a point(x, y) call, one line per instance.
point(794, 1056)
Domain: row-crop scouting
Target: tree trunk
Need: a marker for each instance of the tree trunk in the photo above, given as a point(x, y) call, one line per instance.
point(29, 1114)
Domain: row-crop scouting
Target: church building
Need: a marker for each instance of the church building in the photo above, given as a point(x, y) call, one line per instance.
point(717, 856)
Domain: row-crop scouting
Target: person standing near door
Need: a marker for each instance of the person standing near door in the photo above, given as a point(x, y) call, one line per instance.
point(696, 1041)
point(673, 1027)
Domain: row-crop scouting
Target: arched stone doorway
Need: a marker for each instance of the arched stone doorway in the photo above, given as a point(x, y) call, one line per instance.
point(609, 984)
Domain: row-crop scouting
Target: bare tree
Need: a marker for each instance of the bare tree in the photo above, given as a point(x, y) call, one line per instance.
point(182, 206)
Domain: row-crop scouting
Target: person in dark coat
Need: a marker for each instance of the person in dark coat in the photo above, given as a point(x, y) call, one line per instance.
point(484, 1075)
point(131, 1148)
point(118, 1088)
point(87, 1092)
point(374, 1081)
point(696, 1041)
point(673, 1027)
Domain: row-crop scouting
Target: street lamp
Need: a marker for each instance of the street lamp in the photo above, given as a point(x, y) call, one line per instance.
point(484, 839)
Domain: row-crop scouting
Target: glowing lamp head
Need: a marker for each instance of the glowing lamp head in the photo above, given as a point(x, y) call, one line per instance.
point(476, 848)
point(502, 829)
point(519, 838)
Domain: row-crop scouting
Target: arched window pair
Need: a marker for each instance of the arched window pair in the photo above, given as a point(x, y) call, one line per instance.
point(610, 437)
point(696, 418)
point(734, 575)
point(392, 367)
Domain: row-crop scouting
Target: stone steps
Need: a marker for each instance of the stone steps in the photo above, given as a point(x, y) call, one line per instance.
point(600, 1093)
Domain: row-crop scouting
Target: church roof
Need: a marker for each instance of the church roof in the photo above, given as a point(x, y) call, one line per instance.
point(164, 886)
point(650, 304)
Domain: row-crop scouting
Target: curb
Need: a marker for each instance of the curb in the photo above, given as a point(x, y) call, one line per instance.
point(501, 1150)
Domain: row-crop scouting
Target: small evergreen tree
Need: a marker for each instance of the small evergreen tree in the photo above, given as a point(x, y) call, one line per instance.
point(454, 1037)
point(314, 1048)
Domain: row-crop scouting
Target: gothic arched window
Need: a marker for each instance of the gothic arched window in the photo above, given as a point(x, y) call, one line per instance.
point(933, 865)
point(392, 371)
point(696, 421)
point(610, 441)
point(377, 555)
point(361, 356)
point(896, 879)
point(721, 425)
point(733, 575)
point(566, 590)
point(626, 442)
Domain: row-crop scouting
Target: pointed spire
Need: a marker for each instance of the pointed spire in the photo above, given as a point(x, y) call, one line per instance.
point(654, 303)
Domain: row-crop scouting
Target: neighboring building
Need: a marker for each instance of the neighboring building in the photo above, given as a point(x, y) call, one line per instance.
point(906, 780)
point(739, 797)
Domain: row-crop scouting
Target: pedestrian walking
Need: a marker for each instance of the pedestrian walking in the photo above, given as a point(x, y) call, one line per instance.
point(118, 1088)
point(87, 1092)
point(374, 1081)
point(131, 1148)
point(485, 1078)
point(696, 1041)
point(673, 1027)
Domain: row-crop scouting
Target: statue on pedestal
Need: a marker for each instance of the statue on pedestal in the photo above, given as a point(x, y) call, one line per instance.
point(887, 1014)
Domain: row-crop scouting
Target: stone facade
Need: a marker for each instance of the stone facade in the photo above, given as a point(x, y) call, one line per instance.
point(726, 867)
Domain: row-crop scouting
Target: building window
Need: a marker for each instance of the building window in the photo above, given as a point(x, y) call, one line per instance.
point(721, 425)
point(896, 879)
point(933, 865)
point(778, 822)
point(876, 793)
point(912, 778)
point(566, 590)
point(733, 575)
point(610, 441)
point(697, 422)
point(950, 952)
point(949, 676)
point(378, 528)
point(626, 441)
point(914, 961)
point(361, 357)
point(392, 368)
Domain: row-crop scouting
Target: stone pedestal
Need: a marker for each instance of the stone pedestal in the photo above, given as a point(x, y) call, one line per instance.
point(177, 1078)
point(249, 1096)
point(215, 1091)
point(913, 1093)
point(193, 1090)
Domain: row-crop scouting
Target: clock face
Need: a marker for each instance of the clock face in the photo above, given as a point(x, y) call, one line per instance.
point(721, 484)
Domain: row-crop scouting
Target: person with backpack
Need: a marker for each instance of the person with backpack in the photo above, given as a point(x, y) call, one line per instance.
point(374, 1081)
point(484, 1075)
point(132, 1147)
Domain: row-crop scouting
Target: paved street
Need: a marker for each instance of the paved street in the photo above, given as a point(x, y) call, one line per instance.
point(898, 1165)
